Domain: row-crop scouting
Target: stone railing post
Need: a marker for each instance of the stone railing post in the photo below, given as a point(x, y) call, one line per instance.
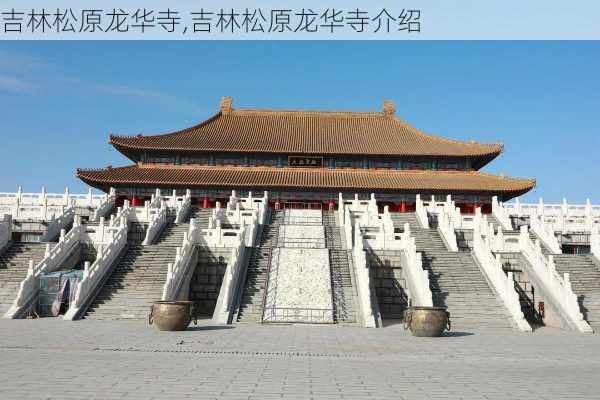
point(89, 198)
point(540, 206)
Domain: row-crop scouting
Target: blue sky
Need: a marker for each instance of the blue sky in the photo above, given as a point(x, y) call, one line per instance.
point(60, 100)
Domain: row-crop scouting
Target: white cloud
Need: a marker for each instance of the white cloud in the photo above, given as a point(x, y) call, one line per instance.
point(10, 60)
point(22, 73)
point(120, 91)
point(130, 91)
point(13, 66)
point(14, 84)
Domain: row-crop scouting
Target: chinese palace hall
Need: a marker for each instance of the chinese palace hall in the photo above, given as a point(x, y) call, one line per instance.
point(304, 159)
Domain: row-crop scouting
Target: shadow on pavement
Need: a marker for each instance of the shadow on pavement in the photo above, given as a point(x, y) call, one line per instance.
point(208, 328)
point(457, 334)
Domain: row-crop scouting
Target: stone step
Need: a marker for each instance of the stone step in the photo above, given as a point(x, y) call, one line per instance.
point(343, 291)
point(252, 296)
point(456, 282)
point(135, 283)
point(14, 264)
point(585, 281)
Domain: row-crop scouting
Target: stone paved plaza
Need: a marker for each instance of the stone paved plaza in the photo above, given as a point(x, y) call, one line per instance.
point(53, 359)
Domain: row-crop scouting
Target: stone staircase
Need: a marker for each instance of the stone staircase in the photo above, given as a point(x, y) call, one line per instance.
point(251, 303)
point(138, 279)
point(456, 281)
point(584, 274)
point(172, 234)
point(344, 292)
point(14, 263)
point(424, 238)
point(201, 216)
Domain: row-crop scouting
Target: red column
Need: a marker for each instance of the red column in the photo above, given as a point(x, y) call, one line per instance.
point(403, 206)
point(277, 204)
point(134, 201)
point(331, 205)
point(205, 203)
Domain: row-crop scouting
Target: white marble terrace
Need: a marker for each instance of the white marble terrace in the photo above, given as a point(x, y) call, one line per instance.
point(563, 217)
point(44, 206)
point(299, 290)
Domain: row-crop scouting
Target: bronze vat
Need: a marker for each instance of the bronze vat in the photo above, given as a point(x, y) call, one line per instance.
point(427, 321)
point(172, 315)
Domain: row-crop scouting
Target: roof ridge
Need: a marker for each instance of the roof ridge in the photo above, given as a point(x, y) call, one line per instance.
point(503, 176)
point(302, 113)
point(173, 133)
point(440, 138)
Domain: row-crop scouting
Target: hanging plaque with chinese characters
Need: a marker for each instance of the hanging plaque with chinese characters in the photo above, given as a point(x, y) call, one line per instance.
point(305, 162)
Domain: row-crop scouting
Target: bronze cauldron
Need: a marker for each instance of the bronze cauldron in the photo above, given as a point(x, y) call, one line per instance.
point(427, 321)
point(172, 315)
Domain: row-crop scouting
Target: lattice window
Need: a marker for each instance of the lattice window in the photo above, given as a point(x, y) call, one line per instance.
point(391, 164)
point(200, 160)
point(416, 165)
point(263, 161)
point(348, 163)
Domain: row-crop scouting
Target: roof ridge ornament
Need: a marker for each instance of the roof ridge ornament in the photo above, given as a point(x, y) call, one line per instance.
point(226, 105)
point(389, 108)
